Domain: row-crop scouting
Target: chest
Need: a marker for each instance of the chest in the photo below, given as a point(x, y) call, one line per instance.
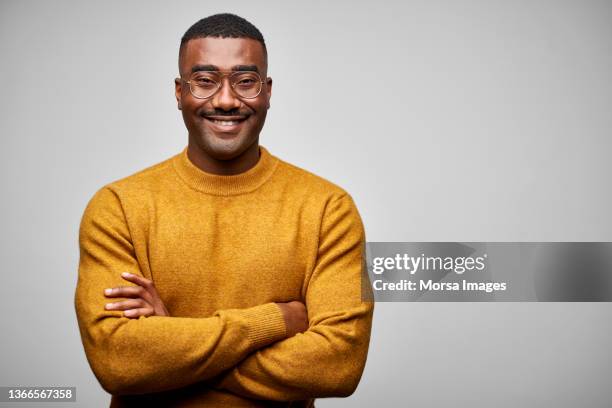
point(217, 255)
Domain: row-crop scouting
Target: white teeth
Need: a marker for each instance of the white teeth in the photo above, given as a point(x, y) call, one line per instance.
point(226, 122)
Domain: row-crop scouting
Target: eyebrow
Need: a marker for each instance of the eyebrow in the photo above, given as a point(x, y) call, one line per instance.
point(197, 68)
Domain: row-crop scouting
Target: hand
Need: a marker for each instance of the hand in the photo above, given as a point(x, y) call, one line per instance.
point(145, 299)
point(296, 317)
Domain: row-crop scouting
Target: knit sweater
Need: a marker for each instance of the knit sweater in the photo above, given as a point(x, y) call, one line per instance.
point(222, 251)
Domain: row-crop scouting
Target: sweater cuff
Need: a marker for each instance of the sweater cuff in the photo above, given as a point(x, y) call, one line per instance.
point(266, 324)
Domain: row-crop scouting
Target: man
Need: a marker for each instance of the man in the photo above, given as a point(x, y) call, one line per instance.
point(245, 272)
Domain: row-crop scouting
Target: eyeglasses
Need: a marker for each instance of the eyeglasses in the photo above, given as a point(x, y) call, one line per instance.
point(204, 84)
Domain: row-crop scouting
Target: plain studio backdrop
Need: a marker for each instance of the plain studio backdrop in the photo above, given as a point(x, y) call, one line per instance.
point(445, 120)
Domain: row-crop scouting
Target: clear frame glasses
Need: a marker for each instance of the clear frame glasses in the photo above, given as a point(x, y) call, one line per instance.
point(204, 84)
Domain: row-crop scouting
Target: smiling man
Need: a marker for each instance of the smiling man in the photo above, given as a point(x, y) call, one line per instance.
point(234, 278)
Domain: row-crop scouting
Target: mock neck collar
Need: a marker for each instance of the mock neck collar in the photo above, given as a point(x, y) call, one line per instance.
point(223, 185)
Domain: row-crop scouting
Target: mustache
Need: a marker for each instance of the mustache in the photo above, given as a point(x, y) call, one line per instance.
point(218, 112)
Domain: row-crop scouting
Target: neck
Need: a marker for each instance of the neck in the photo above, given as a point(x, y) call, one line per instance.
point(239, 164)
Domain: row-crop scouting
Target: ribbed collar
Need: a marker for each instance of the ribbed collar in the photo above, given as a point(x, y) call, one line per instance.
point(216, 184)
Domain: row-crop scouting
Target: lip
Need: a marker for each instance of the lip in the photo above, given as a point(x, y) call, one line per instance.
point(218, 128)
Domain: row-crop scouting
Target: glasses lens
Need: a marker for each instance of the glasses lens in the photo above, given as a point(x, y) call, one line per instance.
point(246, 84)
point(204, 84)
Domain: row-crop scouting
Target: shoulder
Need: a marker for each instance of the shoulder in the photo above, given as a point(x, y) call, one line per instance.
point(305, 182)
point(328, 199)
point(137, 185)
point(146, 179)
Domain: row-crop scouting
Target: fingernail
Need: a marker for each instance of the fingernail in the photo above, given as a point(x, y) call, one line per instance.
point(129, 312)
point(108, 291)
point(109, 306)
point(126, 274)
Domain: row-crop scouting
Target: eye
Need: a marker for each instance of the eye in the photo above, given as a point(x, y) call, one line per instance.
point(245, 81)
point(204, 81)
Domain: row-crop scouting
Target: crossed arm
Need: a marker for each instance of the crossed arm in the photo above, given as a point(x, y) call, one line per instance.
point(259, 352)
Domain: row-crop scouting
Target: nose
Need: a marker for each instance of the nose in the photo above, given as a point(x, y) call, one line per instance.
point(225, 98)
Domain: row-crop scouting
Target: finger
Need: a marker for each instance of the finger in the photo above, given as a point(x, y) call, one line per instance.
point(135, 313)
point(126, 304)
point(139, 280)
point(129, 292)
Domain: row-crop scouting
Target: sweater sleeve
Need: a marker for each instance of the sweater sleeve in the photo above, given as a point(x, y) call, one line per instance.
point(151, 354)
point(328, 359)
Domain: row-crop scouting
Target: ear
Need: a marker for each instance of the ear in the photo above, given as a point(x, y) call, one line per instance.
point(268, 91)
point(178, 89)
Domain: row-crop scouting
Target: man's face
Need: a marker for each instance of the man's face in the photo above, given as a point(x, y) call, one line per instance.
point(225, 125)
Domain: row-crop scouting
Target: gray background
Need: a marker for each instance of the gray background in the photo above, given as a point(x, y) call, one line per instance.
point(477, 121)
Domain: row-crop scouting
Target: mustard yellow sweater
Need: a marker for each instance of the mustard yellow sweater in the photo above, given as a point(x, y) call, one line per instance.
point(222, 251)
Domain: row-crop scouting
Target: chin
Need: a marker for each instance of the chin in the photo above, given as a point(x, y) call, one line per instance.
point(226, 148)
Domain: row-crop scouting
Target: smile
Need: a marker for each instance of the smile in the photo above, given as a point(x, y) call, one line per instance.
point(230, 124)
point(225, 122)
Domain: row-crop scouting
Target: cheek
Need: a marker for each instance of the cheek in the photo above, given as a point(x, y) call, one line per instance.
point(259, 107)
point(193, 108)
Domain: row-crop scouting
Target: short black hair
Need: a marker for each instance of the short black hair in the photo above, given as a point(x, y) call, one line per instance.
point(224, 25)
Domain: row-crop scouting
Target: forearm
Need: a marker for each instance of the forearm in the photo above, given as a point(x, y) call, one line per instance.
point(160, 353)
point(325, 361)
